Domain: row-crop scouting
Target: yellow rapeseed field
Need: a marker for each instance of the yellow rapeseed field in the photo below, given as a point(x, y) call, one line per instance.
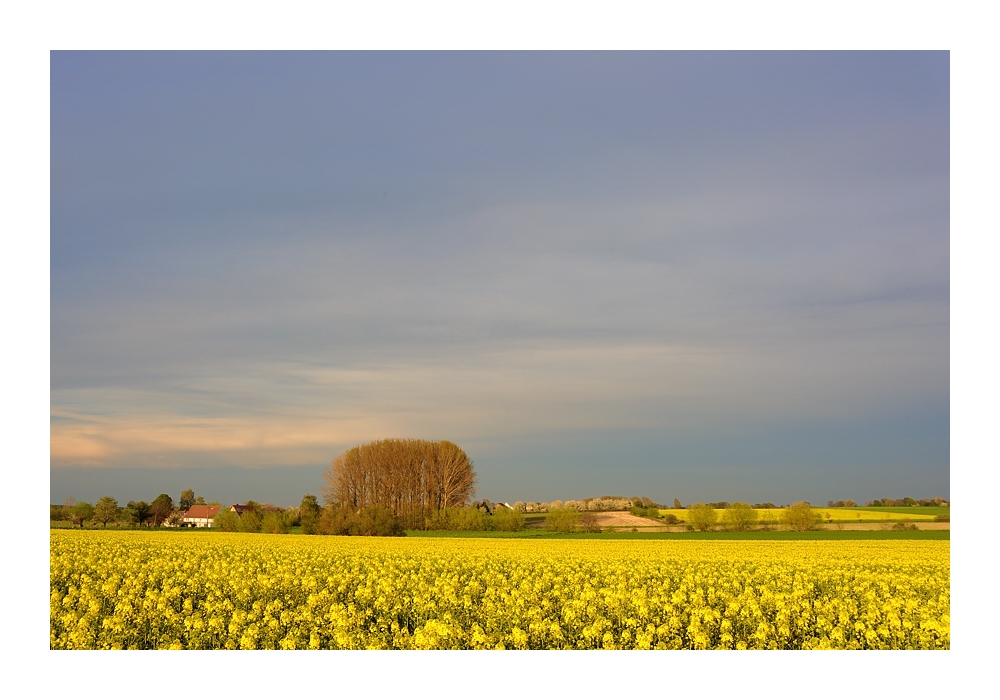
point(135, 590)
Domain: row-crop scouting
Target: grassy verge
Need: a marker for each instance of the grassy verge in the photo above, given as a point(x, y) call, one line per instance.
point(774, 535)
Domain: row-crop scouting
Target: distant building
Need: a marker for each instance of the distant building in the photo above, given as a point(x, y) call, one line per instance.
point(200, 516)
point(240, 508)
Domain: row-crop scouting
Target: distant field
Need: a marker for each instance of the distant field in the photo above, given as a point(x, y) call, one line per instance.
point(842, 515)
point(925, 510)
point(535, 533)
point(847, 515)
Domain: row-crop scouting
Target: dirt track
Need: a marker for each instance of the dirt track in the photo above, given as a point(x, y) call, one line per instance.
point(623, 519)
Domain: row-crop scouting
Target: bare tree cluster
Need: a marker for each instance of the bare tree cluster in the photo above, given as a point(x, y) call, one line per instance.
point(409, 477)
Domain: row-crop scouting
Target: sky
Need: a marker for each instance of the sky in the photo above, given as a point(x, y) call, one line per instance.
point(705, 276)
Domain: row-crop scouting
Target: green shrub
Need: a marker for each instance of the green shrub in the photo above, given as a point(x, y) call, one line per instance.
point(463, 518)
point(942, 518)
point(507, 520)
point(309, 521)
point(275, 523)
point(800, 517)
point(437, 520)
point(334, 519)
point(468, 519)
point(226, 521)
point(373, 521)
point(904, 525)
point(562, 519)
point(740, 517)
point(645, 512)
point(701, 517)
point(309, 512)
point(249, 521)
point(376, 521)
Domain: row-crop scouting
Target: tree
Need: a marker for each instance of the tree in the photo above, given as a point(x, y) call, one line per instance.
point(507, 519)
point(250, 521)
point(800, 517)
point(137, 512)
point(226, 521)
point(81, 511)
point(484, 505)
point(409, 477)
point(677, 504)
point(175, 519)
point(466, 519)
point(309, 514)
point(106, 510)
point(562, 519)
point(334, 519)
point(274, 523)
point(589, 522)
point(187, 499)
point(740, 517)
point(373, 521)
point(160, 508)
point(701, 517)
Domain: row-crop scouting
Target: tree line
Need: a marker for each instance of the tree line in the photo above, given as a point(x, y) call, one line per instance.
point(161, 511)
point(387, 486)
point(899, 502)
point(157, 512)
point(409, 478)
point(339, 519)
point(743, 517)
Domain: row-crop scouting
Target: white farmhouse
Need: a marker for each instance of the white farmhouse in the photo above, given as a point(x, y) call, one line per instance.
point(200, 516)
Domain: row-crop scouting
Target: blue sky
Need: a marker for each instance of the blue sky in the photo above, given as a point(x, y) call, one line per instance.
point(711, 276)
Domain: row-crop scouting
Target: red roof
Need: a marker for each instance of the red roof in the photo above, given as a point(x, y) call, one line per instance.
point(202, 511)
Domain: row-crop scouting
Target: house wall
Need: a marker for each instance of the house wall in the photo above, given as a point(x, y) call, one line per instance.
point(198, 522)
